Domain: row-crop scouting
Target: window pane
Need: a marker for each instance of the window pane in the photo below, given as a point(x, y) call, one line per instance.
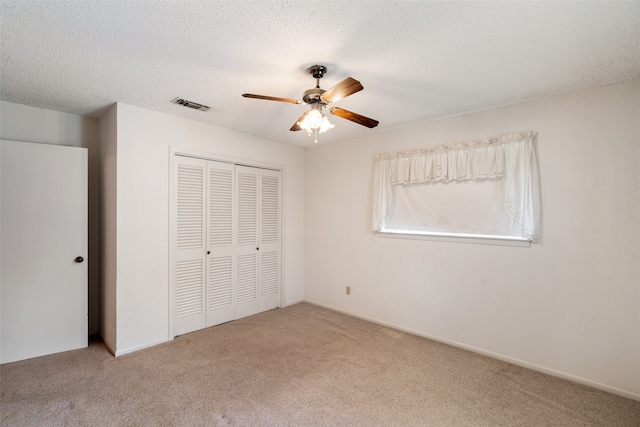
point(468, 207)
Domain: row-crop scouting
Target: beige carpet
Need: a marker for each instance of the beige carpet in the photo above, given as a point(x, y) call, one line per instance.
point(302, 365)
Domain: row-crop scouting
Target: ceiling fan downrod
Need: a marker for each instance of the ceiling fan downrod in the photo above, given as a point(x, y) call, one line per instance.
point(312, 96)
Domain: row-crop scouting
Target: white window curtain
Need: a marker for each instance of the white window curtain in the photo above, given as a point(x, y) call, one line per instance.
point(511, 159)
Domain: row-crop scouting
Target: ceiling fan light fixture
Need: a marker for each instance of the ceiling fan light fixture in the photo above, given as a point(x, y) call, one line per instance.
point(326, 125)
point(315, 122)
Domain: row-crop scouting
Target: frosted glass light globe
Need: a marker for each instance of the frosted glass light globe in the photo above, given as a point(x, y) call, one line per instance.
point(314, 119)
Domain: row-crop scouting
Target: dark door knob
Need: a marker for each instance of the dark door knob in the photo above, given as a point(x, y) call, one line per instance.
point(208, 252)
point(79, 259)
point(257, 249)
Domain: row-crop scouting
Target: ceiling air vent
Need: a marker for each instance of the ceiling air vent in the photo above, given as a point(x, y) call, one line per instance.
point(190, 104)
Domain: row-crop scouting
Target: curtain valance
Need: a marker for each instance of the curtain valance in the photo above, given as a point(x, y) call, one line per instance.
point(510, 158)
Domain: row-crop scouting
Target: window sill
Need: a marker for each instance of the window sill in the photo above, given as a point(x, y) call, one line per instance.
point(477, 239)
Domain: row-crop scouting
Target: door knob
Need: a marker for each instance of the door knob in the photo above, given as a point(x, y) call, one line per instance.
point(79, 259)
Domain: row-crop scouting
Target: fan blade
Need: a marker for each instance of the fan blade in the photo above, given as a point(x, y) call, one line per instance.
point(296, 126)
point(356, 118)
point(343, 89)
point(271, 98)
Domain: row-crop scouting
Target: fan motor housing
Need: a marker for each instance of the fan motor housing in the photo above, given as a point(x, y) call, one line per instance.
point(312, 96)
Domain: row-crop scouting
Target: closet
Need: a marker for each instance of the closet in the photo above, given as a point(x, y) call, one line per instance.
point(226, 243)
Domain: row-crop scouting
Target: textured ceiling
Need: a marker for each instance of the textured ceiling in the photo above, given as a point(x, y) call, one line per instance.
point(417, 61)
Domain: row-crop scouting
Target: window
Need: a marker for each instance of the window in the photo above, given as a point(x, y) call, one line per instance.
point(485, 189)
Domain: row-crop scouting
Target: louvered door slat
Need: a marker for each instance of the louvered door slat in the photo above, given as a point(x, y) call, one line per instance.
point(269, 274)
point(220, 207)
point(270, 209)
point(189, 288)
point(219, 288)
point(247, 208)
point(246, 279)
point(190, 204)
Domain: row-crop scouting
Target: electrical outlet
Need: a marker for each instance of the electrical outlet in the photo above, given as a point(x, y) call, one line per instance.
point(348, 290)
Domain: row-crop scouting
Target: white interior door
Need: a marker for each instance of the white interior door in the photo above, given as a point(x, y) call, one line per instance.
point(190, 251)
point(247, 248)
point(226, 223)
point(220, 235)
point(43, 252)
point(269, 261)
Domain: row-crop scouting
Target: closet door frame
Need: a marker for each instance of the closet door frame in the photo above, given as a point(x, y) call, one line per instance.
point(185, 152)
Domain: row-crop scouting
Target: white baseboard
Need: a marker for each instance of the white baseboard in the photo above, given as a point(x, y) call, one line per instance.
point(292, 303)
point(139, 347)
point(518, 362)
point(117, 353)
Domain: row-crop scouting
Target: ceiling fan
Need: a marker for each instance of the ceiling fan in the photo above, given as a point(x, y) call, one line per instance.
point(314, 121)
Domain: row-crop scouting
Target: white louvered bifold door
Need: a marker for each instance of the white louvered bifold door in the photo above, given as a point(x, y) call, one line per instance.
point(247, 249)
point(269, 240)
point(190, 251)
point(220, 257)
point(227, 242)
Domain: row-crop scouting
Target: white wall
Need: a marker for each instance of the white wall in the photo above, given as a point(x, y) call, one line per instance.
point(23, 123)
point(568, 306)
point(144, 139)
point(108, 225)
